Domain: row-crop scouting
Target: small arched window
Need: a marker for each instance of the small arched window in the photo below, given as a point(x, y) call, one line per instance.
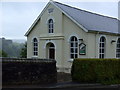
point(35, 47)
point(50, 26)
point(102, 47)
point(73, 47)
point(118, 48)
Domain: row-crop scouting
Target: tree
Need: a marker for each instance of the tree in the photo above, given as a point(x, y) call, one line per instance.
point(23, 53)
point(12, 49)
point(3, 54)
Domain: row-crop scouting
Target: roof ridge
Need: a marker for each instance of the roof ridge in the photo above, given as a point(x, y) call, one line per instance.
point(86, 10)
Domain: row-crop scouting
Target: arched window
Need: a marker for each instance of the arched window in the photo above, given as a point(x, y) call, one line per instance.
point(35, 47)
point(73, 47)
point(50, 26)
point(102, 47)
point(118, 49)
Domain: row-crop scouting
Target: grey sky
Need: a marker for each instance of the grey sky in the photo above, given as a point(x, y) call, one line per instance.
point(17, 17)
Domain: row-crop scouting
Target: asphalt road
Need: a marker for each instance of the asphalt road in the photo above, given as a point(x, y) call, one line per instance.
point(64, 86)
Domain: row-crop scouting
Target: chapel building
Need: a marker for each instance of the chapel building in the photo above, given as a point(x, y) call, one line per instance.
point(63, 33)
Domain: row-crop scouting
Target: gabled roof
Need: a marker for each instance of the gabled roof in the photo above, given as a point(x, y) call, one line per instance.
point(88, 21)
point(91, 21)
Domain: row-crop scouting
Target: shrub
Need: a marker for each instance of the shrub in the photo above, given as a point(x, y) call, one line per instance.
point(105, 71)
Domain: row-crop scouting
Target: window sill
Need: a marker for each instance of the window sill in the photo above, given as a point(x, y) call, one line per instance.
point(34, 56)
point(51, 33)
point(70, 60)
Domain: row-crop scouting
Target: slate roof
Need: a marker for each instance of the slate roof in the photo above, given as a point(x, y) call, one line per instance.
point(91, 21)
point(87, 20)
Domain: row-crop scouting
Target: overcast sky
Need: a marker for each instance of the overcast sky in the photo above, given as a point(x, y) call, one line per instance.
point(17, 17)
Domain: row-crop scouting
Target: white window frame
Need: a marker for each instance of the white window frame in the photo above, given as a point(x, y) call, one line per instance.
point(118, 48)
point(35, 47)
point(101, 53)
point(74, 47)
point(50, 26)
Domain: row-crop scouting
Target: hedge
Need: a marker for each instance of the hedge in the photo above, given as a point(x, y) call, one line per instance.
point(104, 71)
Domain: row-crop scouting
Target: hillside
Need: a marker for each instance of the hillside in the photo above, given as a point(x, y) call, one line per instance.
point(19, 40)
point(12, 48)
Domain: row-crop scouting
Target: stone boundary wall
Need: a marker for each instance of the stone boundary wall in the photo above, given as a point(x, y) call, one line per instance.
point(28, 71)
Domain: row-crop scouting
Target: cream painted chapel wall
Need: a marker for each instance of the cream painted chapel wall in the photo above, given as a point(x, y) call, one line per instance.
point(71, 29)
point(33, 34)
point(56, 15)
point(40, 31)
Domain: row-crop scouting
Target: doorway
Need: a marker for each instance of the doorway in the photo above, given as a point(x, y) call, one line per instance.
point(50, 51)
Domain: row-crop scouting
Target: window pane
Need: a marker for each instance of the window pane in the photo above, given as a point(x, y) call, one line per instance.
point(52, 45)
point(76, 55)
point(102, 50)
point(72, 50)
point(49, 26)
point(100, 39)
point(103, 44)
point(34, 40)
point(76, 44)
point(34, 49)
point(76, 50)
point(102, 56)
point(35, 44)
point(72, 38)
point(72, 55)
point(51, 30)
point(75, 38)
point(103, 39)
point(34, 53)
point(100, 45)
point(71, 44)
point(118, 50)
point(119, 45)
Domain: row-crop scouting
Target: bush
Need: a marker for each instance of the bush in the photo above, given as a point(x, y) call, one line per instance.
point(105, 71)
point(3, 54)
